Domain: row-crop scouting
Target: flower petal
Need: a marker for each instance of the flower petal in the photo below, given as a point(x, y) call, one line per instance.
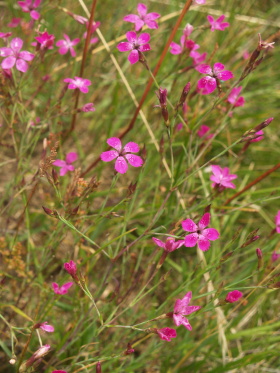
point(35, 15)
point(131, 18)
point(8, 62)
point(211, 234)
point(158, 242)
point(65, 287)
point(191, 240)
point(21, 65)
point(204, 69)
point(175, 48)
point(124, 46)
point(133, 56)
point(151, 16)
point(225, 75)
point(144, 38)
point(218, 67)
point(189, 225)
point(109, 155)
point(121, 165)
point(145, 48)
point(59, 163)
point(115, 143)
point(139, 24)
point(5, 52)
point(131, 147)
point(16, 44)
point(134, 160)
point(142, 9)
point(71, 157)
point(27, 56)
point(190, 309)
point(206, 85)
point(203, 243)
point(63, 171)
point(204, 221)
point(55, 287)
point(131, 36)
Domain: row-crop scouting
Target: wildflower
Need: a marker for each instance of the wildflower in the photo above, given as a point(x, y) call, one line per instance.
point(28, 6)
point(162, 97)
point(88, 107)
point(259, 136)
point(199, 235)
point(170, 244)
point(166, 334)
point(78, 83)
point(222, 178)
point(218, 24)
point(233, 296)
point(66, 165)
point(14, 22)
point(94, 27)
point(208, 84)
point(143, 18)
point(122, 155)
point(67, 45)
point(44, 41)
point(44, 326)
point(234, 97)
point(15, 57)
point(203, 131)
point(71, 268)
point(136, 44)
point(63, 289)
point(197, 57)
point(275, 256)
point(182, 309)
point(277, 222)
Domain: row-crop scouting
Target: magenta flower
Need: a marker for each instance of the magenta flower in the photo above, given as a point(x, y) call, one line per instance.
point(67, 45)
point(218, 24)
point(71, 268)
point(208, 84)
point(88, 107)
point(122, 155)
point(203, 130)
point(182, 309)
point(45, 40)
point(222, 178)
point(275, 256)
point(78, 83)
point(170, 244)
point(28, 6)
point(135, 44)
point(277, 222)
point(234, 97)
point(14, 22)
point(259, 137)
point(197, 57)
point(66, 165)
point(233, 296)
point(143, 18)
point(45, 326)
point(63, 289)
point(15, 57)
point(166, 334)
point(199, 235)
point(94, 27)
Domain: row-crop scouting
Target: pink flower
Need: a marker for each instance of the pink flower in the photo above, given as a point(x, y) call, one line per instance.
point(200, 235)
point(123, 155)
point(277, 222)
point(200, 2)
point(14, 22)
point(45, 326)
point(182, 309)
point(15, 57)
point(143, 18)
point(170, 244)
point(185, 44)
point(67, 45)
point(275, 256)
point(166, 334)
point(79, 83)
point(259, 137)
point(203, 130)
point(45, 40)
point(71, 268)
point(94, 27)
point(218, 24)
point(197, 57)
point(135, 44)
point(63, 289)
point(28, 6)
point(66, 165)
point(234, 97)
point(222, 178)
point(233, 296)
point(88, 107)
point(208, 84)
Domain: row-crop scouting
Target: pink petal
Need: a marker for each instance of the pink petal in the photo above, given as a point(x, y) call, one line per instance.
point(142, 9)
point(109, 155)
point(218, 67)
point(206, 85)
point(189, 225)
point(131, 36)
point(152, 25)
point(65, 287)
point(35, 15)
point(75, 41)
point(47, 328)
point(121, 165)
point(181, 304)
point(221, 18)
point(72, 52)
point(145, 48)
point(217, 170)
point(211, 234)
point(133, 56)
point(175, 48)
point(55, 287)
point(131, 147)
point(210, 19)
point(27, 56)
point(144, 38)
point(228, 184)
point(70, 168)
point(21, 65)
point(83, 89)
point(63, 171)
point(190, 309)
point(8, 62)
point(5, 52)
point(134, 160)
point(115, 143)
point(16, 44)
point(204, 221)
point(63, 50)
point(139, 24)
point(71, 157)
point(191, 240)
point(36, 3)
point(151, 16)
point(203, 243)
point(59, 163)
point(124, 46)
point(158, 242)
point(178, 244)
point(61, 43)
point(225, 75)
point(204, 69)
point(131, 18)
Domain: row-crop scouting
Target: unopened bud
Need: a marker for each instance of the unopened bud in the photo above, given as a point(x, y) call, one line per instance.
point(184, 95)
point(162, 97)
point(129, 349)
point(50, 212)
point(259, 253)
point(98, 367)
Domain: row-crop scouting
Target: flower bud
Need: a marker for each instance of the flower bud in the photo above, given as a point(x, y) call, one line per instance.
point(233, 296)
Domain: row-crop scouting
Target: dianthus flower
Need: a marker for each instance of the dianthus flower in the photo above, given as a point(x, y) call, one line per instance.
point(135, 44)
point(260, 136)
point(218, 24)
point(277, 222)
point(28, 6)
point(208, 84)
point(94, 27)
point(170, 244)
point(233, 296)
point(67, 45)
point(15, 57)
point(45, 326)
point(143, 18)
point(184, 44)
point(63, 289)
point(66, 165)
point(222, 178)
point(199, 235)
point(44, 41)
point(88, 107)
point(166, 334)
point(197, 57)
point(122, 155)
point(71, 268)
point(234, 97)
point(182, 309)
point(203, 130)
point(78, 83)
